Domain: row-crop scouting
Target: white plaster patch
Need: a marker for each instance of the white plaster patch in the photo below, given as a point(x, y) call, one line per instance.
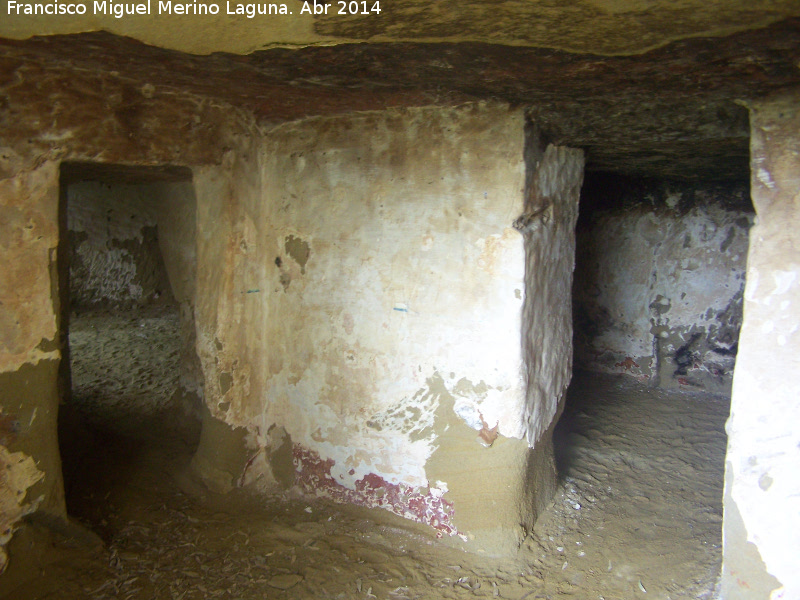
point(469, 413)
point(439, 490)
point(672, 200)
point(764, 177)
point(783, 281)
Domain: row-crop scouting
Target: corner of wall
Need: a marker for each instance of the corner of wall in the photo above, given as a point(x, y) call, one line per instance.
point(30, 478)
point(553, 182)
point(762, 481)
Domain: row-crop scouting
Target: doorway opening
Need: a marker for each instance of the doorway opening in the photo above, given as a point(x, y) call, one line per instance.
point(130, 378)
point(657, 307)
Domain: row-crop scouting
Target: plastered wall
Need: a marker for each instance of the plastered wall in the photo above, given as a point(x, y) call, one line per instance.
point(761, 528)
point(659, 281)
point(370, 314)
point(360, 297)
point(30, 295)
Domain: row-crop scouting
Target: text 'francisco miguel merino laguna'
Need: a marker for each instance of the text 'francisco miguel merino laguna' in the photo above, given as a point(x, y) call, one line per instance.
point(168, 7)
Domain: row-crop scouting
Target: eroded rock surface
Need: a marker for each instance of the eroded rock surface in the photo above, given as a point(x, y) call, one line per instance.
point(671, 111)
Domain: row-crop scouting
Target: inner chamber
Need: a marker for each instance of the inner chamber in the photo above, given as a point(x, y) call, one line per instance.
point(130, 393)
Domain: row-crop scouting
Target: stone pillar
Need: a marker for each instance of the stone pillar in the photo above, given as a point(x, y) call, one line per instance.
point(369, 311)
point(761, 532)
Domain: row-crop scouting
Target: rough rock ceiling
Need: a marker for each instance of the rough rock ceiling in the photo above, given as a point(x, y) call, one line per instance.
point(670, 112)
point(581, 26)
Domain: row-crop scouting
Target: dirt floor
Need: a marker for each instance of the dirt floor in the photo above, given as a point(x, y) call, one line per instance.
point(638, 514)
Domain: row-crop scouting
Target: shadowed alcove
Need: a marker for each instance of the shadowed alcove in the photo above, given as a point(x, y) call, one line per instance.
point(129, 386)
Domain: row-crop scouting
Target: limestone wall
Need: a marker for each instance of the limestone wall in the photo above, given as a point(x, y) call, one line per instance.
point(553, 188)
point(176, 216)
point(114, 254)
point(762, 481)
point(30, 469)
point(88, 128)
point(358, 295)
point(369, 314)
point(659, 282)
point(133, 241)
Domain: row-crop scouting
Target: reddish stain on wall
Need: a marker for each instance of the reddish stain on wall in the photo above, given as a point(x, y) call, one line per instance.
point(627, 364)
point(314, 477)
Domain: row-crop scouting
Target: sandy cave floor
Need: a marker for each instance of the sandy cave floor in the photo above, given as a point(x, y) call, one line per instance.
point(637, 515)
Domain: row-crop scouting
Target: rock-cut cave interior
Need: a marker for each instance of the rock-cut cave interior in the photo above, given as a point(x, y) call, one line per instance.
point(400, 300)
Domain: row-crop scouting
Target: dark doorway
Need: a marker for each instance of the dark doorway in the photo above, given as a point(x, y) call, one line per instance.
point(657, 306)
point(126, 271)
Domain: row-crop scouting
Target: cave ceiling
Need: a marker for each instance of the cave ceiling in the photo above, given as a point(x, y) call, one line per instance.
point(656, 88)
